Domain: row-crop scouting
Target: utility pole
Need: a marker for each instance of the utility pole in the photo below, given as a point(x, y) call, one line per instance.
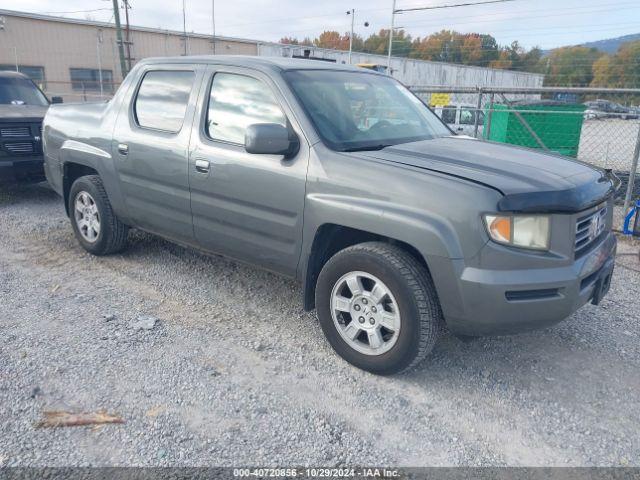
point(184, 26)
point(213, 24)
point(436, 7)
point(99, 53)
point(393, 19)
point(116, 15)
point(128, 34)
point(351, 12)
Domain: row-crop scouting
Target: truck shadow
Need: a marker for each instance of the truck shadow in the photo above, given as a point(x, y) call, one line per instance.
point(21, 192)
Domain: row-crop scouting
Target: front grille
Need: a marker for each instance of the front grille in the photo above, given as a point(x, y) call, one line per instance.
point(20, 147)
point(589, 228)
point(21, 138)
point(12, 132)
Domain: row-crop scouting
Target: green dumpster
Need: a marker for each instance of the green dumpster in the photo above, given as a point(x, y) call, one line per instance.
point(557, 125)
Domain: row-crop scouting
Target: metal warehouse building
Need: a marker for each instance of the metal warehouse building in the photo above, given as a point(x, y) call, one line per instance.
point(78, 59)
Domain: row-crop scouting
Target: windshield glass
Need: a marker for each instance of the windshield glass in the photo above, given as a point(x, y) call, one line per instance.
point(360, 111)
point(20, 91)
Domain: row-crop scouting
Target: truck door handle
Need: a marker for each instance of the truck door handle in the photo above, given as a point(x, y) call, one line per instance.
point(123, 149)
point(202, 166)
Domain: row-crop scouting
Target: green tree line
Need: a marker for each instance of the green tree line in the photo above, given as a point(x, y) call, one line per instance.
point(565, 66)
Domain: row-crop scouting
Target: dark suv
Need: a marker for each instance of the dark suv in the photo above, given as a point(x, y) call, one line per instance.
point(22, 108)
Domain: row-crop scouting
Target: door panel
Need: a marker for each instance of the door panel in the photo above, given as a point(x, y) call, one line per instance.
point(152, 164)
point(247, 206)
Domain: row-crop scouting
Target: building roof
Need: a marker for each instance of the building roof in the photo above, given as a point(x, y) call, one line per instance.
point(94, 23)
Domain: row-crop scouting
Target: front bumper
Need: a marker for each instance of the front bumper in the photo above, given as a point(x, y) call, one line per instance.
point(20, 169)
point(499, 302)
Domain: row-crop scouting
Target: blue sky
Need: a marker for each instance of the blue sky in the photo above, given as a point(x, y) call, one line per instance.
point(545, 23)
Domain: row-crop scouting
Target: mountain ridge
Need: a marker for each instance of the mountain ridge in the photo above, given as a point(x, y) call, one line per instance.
point(611, 45)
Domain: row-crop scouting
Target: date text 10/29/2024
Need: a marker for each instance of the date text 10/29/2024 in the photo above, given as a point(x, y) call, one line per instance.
point(315, 472)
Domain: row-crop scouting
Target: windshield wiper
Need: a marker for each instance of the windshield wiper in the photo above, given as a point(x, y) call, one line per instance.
point(368, 148)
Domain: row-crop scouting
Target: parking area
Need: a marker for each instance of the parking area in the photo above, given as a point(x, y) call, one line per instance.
point(233, 372)
point(609, 143)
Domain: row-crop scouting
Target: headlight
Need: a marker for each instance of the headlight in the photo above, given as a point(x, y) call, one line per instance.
point(523, 231)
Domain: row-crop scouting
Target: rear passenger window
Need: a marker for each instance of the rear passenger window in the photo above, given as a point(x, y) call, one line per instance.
point(162, 100)
point(449, 114)
point(467, 116)
point(237, 101)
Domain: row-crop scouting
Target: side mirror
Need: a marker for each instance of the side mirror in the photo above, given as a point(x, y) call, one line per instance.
point(270, 139)
point(56, 99)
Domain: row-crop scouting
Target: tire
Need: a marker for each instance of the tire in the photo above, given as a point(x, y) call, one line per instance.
point(112, 234)
point(409, 286)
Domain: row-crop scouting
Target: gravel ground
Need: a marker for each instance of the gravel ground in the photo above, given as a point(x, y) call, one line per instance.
point(235, 373)
point(609, 143)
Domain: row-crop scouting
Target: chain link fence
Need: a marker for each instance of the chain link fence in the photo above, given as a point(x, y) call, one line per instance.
point(597, 126)
point(80, 91)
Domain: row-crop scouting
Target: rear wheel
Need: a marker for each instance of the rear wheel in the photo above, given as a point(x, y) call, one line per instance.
point(378, 307)
point(95, 225)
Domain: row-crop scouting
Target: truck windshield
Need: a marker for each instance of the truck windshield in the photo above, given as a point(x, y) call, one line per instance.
point(20, 91)
point(361, 111)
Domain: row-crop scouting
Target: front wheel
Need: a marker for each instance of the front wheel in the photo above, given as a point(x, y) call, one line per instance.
point(94, 223)
point(378, 307)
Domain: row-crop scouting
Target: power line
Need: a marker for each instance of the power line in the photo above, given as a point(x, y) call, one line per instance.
point(438, 7)
point(395, 11)
point(520, 14)
point(572, 11)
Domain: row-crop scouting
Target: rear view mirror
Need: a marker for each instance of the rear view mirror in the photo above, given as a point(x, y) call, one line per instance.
point(270, 139)
point(56, 99)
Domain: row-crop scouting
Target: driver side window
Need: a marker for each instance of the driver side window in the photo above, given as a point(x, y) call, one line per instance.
point(375, 106)
point(237, 101)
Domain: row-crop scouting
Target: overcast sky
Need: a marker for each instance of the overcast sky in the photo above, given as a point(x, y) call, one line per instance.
point(545, 23)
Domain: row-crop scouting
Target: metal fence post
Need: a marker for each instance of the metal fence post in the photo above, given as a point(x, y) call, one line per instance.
point(477, 116)
point(486, 134)
point(632, 174)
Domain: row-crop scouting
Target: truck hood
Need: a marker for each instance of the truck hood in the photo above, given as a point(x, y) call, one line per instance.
point(11, 113)
point(529, 180)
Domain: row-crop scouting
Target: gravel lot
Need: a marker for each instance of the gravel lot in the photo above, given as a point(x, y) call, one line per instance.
point(609, 143)
point(235, 373)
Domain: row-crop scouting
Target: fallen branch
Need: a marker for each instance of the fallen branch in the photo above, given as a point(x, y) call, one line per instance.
point(53, 419)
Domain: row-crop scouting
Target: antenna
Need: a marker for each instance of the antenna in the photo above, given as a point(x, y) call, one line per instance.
point(213, 24)
point(184, 26)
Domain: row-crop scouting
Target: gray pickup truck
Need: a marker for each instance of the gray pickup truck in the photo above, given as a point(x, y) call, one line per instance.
point(342, 178)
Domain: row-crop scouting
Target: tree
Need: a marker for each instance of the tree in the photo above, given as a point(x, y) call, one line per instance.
point(503, 61)
point(439, 47)
point(570, 66)
point(602, 74)
point(289, 41)
point(563, 66)
point(530, 61)
point(333, 40)
point(626, 68)
point(451, 46)
point(377, 43)
point(401, 44)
